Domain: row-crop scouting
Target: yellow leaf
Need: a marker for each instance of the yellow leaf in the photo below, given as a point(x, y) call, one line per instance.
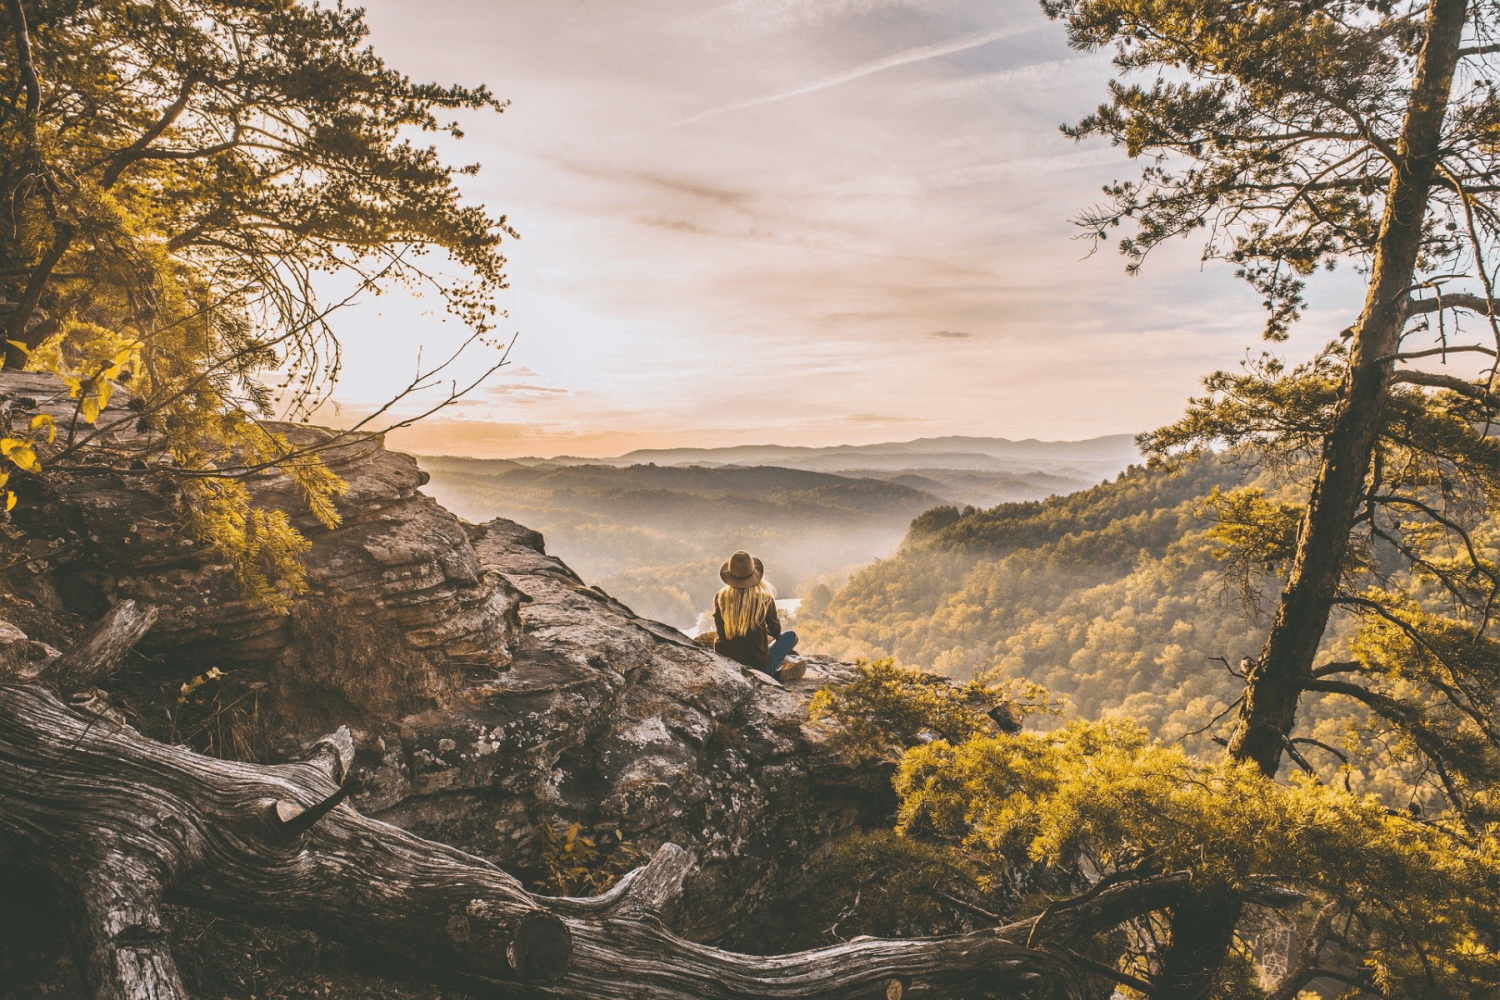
point(4, 478)
point(90, 409)
point(20, 347)
point(24, 457)
point(45, 420)
point(10, 499)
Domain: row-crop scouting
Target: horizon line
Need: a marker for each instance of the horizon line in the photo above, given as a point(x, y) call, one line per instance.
point(783, 447)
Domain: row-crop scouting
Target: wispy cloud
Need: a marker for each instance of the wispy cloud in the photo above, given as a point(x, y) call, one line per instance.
point(914, 184)
point(764, 17)
point(980, 82)
point(1030, 166)
point(508, 389)
point(904, 58)
point(829, 246)
point(881, 418)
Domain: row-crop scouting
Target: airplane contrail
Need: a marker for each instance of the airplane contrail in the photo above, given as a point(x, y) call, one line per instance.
point(969, 41)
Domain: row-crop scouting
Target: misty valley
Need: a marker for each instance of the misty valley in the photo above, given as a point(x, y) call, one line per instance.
point(652, 527)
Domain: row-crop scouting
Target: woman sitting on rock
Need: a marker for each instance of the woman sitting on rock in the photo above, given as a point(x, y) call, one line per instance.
point(746, 621)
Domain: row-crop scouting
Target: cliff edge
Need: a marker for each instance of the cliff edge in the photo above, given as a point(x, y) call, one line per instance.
point(497, 702)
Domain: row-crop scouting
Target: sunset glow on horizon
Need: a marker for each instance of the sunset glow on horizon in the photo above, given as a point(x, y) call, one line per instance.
point(796, 222)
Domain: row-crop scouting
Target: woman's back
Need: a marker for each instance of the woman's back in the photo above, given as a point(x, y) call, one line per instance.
point(746, 621)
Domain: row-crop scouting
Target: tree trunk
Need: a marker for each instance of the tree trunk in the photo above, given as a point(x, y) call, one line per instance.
point(121, 823)
point(1275, 679)
point(1202, 929)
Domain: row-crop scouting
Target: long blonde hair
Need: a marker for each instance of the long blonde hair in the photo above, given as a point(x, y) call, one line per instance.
point(743, 608)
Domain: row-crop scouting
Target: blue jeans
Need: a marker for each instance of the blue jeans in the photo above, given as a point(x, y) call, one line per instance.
point(783, 645)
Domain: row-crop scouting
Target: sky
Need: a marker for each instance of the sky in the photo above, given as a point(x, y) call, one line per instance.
point(803, 222)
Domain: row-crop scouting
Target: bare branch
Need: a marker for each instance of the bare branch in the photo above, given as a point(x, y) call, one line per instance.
point(63, 233)
point(1309, 741)
point(1456, 300)
point(103, 649)
point(964, 904)
point(1452, 382)
point(1446, 522)
point(1339, 667)
point(1297, 758)
point(23, 58)
point(1111, 973)
point(132, 152)
point(1461, 349)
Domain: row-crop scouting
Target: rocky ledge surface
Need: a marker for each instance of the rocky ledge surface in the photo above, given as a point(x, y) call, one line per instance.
point(633, 731)
point(498, 702)
point(399, 613)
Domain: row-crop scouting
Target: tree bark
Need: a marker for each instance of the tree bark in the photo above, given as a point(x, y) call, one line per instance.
point(121, 823)
point(1275, 680)
point(1202, 928)
point(31, 297)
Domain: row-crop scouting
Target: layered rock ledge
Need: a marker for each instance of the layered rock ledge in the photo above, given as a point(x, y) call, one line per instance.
point(496, 699)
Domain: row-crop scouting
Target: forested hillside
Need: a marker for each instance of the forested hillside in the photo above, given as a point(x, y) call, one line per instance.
point(1110, 596)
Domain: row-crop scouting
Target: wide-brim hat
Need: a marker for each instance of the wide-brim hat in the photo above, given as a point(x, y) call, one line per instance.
point(742, 570)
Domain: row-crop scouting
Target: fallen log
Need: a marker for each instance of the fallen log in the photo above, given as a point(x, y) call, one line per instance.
point(122, 823)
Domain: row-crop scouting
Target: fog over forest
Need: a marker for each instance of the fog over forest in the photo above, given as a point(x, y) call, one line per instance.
point(652, 527)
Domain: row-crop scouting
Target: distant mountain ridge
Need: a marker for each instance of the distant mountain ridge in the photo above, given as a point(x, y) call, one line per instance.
point(660, 495)
point(1108, 453)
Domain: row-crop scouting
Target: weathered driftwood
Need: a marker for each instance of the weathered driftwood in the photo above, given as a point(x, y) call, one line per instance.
point(621, 949)
point(122, 823)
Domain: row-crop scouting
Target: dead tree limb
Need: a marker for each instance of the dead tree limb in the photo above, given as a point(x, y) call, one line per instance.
point(1436, 380)
point(1452, 300)
point(122, 823)
point(102, 650)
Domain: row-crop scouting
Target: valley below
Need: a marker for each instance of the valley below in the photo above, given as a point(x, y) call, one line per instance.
point(652, 527)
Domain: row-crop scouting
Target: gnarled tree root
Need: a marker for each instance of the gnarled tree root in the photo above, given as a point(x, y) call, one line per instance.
point(122, 823)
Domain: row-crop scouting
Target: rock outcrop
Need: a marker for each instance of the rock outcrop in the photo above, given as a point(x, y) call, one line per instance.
point(498, 702)
point(400, 613)
point(635, 732)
